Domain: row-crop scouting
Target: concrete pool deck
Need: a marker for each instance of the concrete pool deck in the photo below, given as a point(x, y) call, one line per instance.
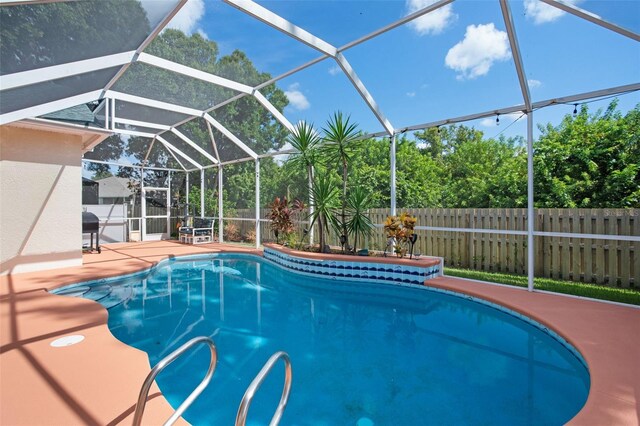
point(97, 381)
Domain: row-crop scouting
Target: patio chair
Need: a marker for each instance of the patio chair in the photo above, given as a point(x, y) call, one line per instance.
point(197, 230)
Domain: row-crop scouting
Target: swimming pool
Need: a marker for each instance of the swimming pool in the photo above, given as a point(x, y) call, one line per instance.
point(361, 353)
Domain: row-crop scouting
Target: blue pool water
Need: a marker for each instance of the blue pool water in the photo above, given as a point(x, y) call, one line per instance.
point(362, 354)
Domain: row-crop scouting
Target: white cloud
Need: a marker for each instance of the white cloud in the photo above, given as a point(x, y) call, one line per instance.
point(432, 23)
point(411, 94)
point(482, 46)
point(187, 19)
point(203, 34)
point(335, 70)
point(297, 100)
point(534, 83)
point(541, 12)
point(504, 118)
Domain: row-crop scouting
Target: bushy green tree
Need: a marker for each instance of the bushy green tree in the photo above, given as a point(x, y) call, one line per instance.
point(418, 176)
point(486, 173)
point(590, 160)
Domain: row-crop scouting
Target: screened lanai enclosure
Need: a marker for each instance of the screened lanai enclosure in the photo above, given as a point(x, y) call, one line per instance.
point(195, 122)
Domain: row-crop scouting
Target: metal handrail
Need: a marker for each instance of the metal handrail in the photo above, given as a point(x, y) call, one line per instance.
point(144, 391)
point(241, 417)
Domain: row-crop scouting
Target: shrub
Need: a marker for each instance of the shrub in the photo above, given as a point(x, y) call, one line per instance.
point(231, 232)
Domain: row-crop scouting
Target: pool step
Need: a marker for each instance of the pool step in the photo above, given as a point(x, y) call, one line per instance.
point(98, 293)
point(118, 295)
point(77, 291)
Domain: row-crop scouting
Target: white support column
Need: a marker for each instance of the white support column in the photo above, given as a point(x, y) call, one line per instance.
point(393, 175)
point(531, 220)
point(202, 192)
point(311, 205)
point(169, 206)
point(220, 209)
point(112, 123)
point(258, 242)
point(106, 113)
point(187, 189)
point(143, 207)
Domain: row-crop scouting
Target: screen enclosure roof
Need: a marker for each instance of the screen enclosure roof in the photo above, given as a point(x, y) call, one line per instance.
point(93, 64)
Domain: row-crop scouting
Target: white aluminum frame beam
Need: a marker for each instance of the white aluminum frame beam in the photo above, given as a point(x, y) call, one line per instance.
point(521, 108)
point(364, 93)
point(349, 45)
point(279, 23)
point(220, 205)
point(163, 23)
point(515, 52)
point(146, 157)
point(141, 123)
point(135, 166)
point(242, 160)
point(531, 217)
point(135, 133)
point(399, 22)
point(194, 73)
point(40, 75)
point(392, 183)
point(49, 107)
point(172, 148)
point(257, 222)
point(194, 145)
point(202, 193)
point(273, 110)
point(153, 103)
point(592, 17)
point(106, 107)
point(230, 136)
point(213, 141)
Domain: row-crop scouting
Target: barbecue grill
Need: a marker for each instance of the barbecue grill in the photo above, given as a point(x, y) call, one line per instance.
point(91, 225)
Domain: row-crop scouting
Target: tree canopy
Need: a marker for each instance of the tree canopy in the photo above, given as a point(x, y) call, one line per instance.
point(590, 160)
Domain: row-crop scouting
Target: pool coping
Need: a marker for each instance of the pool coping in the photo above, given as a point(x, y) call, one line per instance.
point(31, 317)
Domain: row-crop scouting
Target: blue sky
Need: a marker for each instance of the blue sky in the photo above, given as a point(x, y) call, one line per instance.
point(453, 63)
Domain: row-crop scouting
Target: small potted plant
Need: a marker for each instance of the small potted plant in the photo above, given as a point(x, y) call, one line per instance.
point(400, 233)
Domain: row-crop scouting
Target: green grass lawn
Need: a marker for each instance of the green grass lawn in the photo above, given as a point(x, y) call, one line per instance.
point(615, 294)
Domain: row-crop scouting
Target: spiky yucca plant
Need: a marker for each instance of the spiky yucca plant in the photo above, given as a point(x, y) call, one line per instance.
point(339, 142)
point(359, 224)
point(326, 196)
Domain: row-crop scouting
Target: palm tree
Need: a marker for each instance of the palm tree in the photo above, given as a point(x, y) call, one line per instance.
point(305, 140)
point(325, 196)
point(340, 140)
point(360, 223)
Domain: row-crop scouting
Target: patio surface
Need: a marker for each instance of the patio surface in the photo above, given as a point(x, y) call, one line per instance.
point(97, 381)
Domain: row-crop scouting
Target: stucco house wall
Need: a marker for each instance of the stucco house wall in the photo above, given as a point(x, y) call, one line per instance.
point(40, 199)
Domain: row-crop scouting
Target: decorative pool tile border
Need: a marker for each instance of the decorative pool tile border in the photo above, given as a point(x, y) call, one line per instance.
point(354, 271)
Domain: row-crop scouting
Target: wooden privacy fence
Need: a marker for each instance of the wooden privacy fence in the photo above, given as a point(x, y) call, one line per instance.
point(610, 262)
